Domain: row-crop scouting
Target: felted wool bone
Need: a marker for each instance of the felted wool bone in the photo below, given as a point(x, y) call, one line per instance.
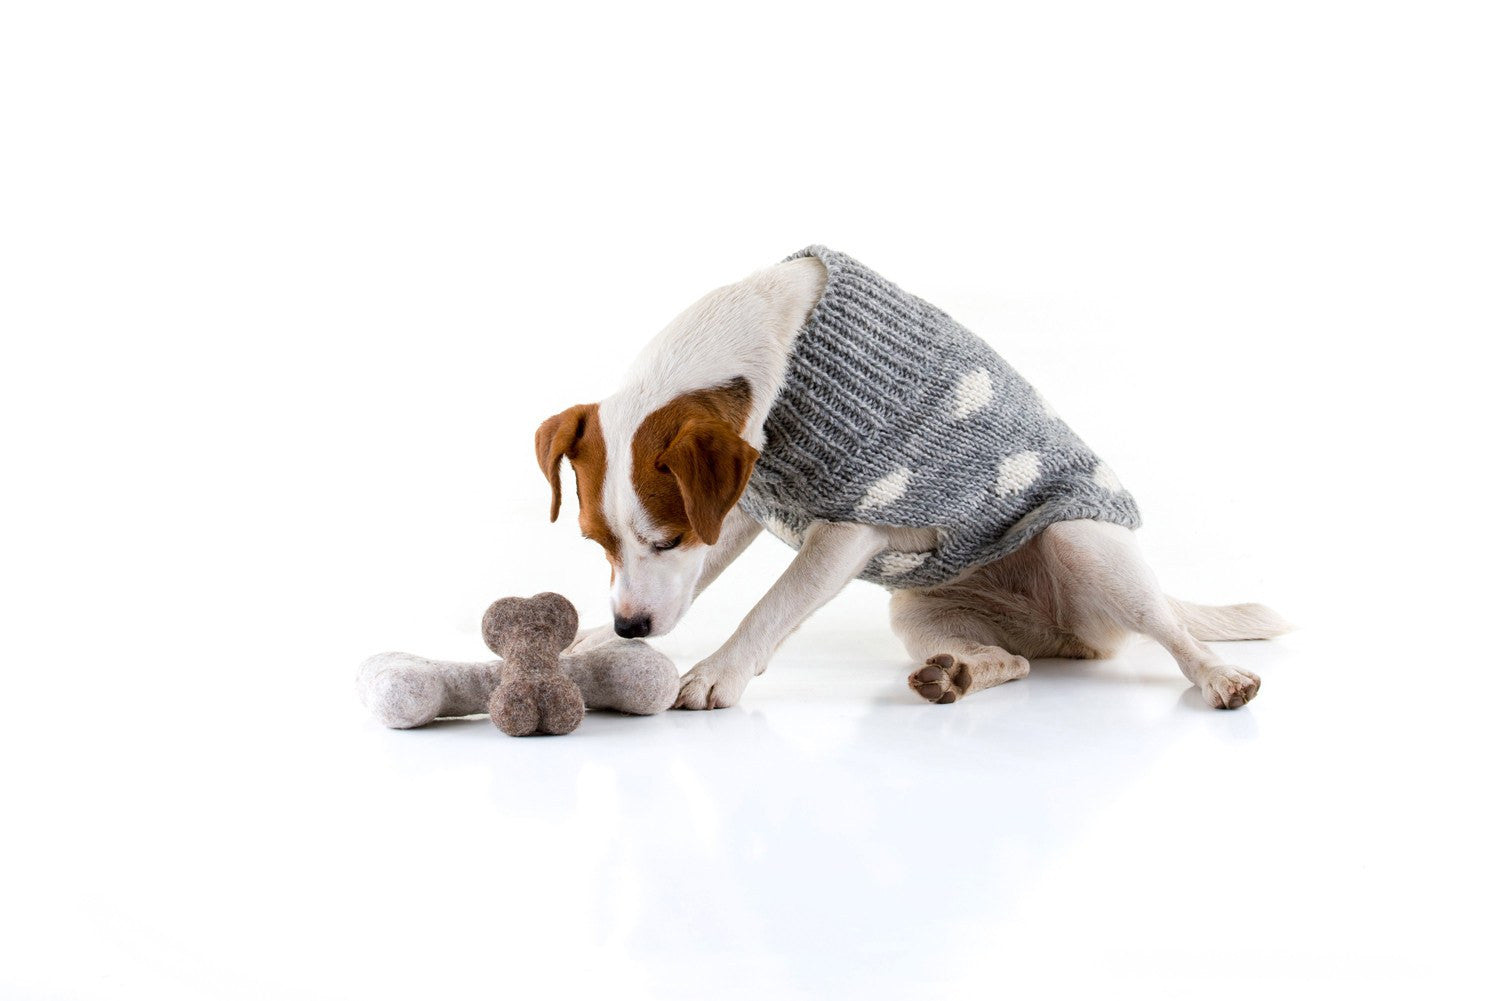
point(530, 634)
point(403, 691)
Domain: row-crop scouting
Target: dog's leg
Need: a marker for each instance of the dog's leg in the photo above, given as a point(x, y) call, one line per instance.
point(1106, 586)
point(831, 556)
point(961, 647)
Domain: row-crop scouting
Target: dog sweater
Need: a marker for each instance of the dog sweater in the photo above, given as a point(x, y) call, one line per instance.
point(891, 413)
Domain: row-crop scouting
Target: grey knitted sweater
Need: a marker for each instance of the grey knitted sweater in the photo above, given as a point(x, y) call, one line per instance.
point(894, 414)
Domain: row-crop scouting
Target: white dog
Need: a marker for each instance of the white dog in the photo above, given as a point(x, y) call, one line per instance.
point(772, 402)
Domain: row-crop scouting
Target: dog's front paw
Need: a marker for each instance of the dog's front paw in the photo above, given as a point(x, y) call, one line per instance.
point(1229, 687)
point(711, 685)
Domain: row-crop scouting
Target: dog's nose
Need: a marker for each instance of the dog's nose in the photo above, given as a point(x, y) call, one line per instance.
point(639, 625)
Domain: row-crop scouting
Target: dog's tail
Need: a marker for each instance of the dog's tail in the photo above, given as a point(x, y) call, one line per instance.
point(1229, 622)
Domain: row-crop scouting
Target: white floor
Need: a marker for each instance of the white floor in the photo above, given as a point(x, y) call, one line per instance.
point(285, 290)
point(1093, 827)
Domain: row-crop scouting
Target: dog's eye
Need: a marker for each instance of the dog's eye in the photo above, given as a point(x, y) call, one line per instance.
point(662, 547)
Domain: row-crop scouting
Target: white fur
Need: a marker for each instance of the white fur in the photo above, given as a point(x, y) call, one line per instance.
point(1078, 590)
point(740, 331)
point(1075, 590)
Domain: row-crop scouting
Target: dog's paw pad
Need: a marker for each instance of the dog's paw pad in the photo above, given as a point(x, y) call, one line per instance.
point(1229, 688)
point(942, 680)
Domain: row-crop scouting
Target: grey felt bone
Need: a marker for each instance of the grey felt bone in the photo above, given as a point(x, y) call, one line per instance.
point(530, 634)
point(404, 691)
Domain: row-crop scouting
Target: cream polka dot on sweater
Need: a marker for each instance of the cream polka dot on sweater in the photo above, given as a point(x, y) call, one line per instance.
point(781, 530)
point(1017, 472)
point(886, 490)
point(972, 392)
point(900, 564)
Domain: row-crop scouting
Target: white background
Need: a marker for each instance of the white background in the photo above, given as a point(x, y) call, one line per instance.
point(287, 287)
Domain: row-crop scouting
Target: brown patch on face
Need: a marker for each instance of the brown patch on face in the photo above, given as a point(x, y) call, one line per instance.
point(576, 434)
point(690, 464)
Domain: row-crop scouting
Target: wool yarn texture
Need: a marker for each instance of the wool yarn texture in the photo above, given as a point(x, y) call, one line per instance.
point(892, 413)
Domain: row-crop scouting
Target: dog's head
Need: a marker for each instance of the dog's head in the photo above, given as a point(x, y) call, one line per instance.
point(653, 491)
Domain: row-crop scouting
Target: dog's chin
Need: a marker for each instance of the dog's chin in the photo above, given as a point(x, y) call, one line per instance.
point(662, 628)
point(666, 623)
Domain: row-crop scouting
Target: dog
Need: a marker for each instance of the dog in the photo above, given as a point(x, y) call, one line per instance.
point(880, 439)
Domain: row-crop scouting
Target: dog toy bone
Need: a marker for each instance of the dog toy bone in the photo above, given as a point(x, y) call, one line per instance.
point(403, 691)
point(534, 695)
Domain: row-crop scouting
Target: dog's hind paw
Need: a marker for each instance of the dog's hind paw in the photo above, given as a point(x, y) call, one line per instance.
point(1229, 687)
point(946, 678)
point(942, 679)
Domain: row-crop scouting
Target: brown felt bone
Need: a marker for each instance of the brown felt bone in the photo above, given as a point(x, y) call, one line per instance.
point(534, 695)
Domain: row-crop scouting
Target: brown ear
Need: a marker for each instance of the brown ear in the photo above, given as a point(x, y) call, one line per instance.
point(712, 464)
point(558, 436)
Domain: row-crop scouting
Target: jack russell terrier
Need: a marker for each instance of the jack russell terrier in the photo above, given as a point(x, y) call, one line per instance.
point(877, 437)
